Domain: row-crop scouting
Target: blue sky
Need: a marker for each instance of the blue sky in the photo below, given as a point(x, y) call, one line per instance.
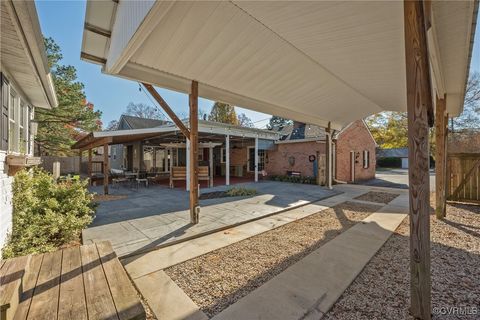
point(63, 21)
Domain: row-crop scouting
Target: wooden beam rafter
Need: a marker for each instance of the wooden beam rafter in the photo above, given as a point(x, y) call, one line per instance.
point(167, 109)
point(90, 57)
point(97, 30)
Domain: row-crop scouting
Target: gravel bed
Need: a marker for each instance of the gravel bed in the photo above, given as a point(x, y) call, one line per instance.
point(382, 290)
point(219, 278)
point(380, 197)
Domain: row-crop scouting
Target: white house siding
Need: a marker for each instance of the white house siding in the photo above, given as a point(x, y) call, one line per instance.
point(5, 201)
point(129, 16)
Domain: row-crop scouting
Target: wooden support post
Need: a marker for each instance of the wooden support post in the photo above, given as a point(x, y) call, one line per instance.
point(210, 160)
point(227, 160)
point(90, 166)
point(419, 102)
point(440, 158)
point(194, 153)
point(256, 159)
point(187, 169)
point(328, 151)
point(80, 162)
point(105, 169)
point(318, 179)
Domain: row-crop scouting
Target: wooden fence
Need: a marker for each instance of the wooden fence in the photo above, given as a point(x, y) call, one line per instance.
point(463, 177)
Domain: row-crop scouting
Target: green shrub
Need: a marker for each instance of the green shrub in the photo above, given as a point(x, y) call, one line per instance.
point(46, 214)
point(294, 179)
point(389, 162)
point(240, 192)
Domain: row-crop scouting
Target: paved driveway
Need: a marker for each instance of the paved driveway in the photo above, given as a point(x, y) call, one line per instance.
point(395, 178)
point(158, 215)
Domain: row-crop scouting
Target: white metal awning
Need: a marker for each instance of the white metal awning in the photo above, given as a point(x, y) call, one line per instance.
point(313, 61)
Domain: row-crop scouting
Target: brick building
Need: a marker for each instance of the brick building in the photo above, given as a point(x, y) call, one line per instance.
point(301, 145)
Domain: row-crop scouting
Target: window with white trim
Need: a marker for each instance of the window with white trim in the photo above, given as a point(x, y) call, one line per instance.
point(223, 155)
point(13, 135)
point(22, 128)
point(251, 159)
point(366, 159)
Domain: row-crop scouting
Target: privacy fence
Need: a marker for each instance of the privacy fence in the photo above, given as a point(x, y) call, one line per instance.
point(463, 177)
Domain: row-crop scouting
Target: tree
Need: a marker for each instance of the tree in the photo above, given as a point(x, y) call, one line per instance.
point(58, 126)
point(470, 117)
point(277, 122)
point(245, 121)
point(224, 113)
point(112, 125)
point(389, 129)
point(142, 110)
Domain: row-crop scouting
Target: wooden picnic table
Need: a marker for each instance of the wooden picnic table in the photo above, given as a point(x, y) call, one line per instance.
point(86, 282)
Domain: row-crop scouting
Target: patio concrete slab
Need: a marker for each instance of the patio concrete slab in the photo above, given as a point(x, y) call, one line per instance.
point(309, 288)
point(158, 216)
point(161, 258)
point(166, 299)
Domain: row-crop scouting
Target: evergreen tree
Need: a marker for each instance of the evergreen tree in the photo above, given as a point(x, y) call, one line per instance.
point(58, 126)
point(224, 113)
point(277, 122)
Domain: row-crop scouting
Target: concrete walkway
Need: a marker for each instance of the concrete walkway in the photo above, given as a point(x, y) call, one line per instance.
point(159, 216)
point(309, 287)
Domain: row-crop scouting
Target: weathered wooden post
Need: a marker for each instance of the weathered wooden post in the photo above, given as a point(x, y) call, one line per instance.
point(419, 106)
point(90, 166)
point(56, 170)
point(328, 152)
point(194, 207)
point(105, 168)
point(440, 158)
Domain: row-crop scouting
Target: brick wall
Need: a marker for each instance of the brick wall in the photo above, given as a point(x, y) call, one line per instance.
point(278, 163)
point(5, 201)
point(238, 156)
point(355, 138)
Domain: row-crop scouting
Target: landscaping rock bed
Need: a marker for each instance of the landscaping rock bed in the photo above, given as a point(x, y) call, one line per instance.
point(380, 197)
point(382, 290)
point(217, 279)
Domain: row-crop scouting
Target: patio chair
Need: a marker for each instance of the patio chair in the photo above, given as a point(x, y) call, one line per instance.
point(142, 178)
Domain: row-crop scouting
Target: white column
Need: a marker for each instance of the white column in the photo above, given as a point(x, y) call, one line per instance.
point(256, 159)
point(334, 157)
point(210, 159)
point(227, 160)
point(187, 180)
point(329, 155)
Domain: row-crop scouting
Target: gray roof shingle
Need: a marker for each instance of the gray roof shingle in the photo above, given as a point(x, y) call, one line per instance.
point(141, 123)
point(392, 153)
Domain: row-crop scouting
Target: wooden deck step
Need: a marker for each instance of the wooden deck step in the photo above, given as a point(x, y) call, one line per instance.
point(79, 283)
point(11, 274)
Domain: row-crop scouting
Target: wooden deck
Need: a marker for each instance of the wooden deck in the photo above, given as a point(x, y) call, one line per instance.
point(86, 282)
